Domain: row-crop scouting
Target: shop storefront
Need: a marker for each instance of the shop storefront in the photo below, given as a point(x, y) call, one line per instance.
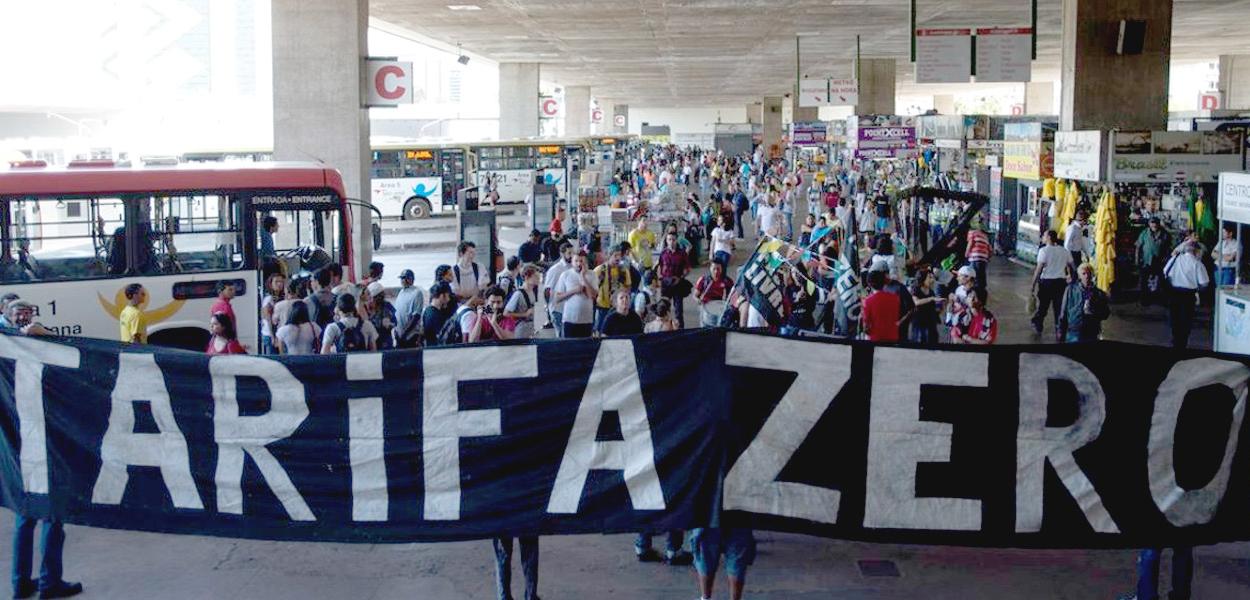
point(1028, 160)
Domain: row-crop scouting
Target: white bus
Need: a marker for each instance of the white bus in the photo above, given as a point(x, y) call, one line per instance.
point(414, 181)
point(75, 237)
point(510, 167)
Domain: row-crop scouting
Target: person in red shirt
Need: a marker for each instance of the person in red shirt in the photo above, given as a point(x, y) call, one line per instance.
point(978, 253)
point(225, 293)
point(981, 327)
point(879, 314)
point(713, 287)
point(225, 338)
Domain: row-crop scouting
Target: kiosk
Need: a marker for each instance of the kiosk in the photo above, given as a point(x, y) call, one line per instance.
point(478, 226)
point(542, 207)
point(1232, 303)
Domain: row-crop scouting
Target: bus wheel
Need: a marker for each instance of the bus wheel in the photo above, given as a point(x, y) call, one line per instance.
point(417, 208)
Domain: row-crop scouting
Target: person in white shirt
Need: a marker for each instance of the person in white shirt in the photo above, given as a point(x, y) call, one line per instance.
point(770, 218)
point(550, 280)
point(1187, 275)
point(1076, 240)
point(1050, 279)
point(468, 278)
point(1227, 255)
point(577, 289)
point(722, 242)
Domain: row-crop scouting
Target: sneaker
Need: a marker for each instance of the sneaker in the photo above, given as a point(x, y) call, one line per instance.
point(1037, 328)
point(647, 555)
point(62, 589)
point(549, 325)
point(25, 589)
point(680, 558)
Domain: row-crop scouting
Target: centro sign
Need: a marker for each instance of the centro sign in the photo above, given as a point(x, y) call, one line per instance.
point(1234, 198)
point(388, 82)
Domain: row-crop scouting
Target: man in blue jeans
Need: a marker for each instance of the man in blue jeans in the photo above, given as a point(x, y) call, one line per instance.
point(529, 566)
point(1148, 574)
point(738, 547)
point(53, 542)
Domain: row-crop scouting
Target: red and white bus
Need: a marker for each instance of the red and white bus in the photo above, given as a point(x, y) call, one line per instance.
point(75, 237)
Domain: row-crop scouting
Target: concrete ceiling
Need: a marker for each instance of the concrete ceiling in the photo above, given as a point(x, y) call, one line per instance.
point(725, 52)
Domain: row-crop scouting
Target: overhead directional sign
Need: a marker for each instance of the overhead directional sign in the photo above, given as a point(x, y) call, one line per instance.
point(943, 55)
point(828, 92)
point(1004, 54)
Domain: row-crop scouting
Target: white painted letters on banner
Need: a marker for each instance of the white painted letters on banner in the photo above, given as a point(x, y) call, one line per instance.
point(31, 355)
point(140, 380)
point(1037, 444)
point(443, 423)
point(1192, 507)
point(239, 436)
point(613, 386)
point(821, 370)
point(898, 440)
point(366, 443)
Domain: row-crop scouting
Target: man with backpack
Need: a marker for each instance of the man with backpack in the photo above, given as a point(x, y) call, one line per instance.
point(466, 279)
point(322, 301)
point(349, 332)
point(436, 314)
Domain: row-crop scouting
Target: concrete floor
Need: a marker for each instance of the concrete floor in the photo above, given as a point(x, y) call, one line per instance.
point(119, 564)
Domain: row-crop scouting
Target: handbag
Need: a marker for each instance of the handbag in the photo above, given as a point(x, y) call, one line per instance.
point(1030, 305)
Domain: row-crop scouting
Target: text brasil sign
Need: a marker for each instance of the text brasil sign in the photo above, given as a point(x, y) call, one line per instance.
point(1058, 446)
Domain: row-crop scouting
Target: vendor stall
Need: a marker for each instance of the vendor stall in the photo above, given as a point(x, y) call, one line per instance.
point(1028, 161)
point(1232, 302)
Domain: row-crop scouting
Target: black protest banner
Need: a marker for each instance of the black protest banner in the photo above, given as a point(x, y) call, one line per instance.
point(1102, 445)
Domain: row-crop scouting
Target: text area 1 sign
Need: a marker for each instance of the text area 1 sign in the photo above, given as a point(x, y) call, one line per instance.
point(1004, 54)
point(388, 82)
point(943, 55)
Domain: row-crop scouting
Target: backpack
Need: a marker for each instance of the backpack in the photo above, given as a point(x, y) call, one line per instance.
point(451, 333)
point(351, 339)
point(321, 311)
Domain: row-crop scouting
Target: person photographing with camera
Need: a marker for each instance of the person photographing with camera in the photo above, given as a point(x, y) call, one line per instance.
point(483, 325)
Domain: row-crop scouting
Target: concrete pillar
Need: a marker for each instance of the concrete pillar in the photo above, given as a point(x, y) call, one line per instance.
point(1104, 90)
point(620, 118)
point(944, 104)
point(770, 117)
point(1039, 98)
point(876, 86)
point(518, 100)
point(753, 113)
point(604, 126)
point(318, 47)
point(577, 111)
point(800, 113)
point(1235, 81)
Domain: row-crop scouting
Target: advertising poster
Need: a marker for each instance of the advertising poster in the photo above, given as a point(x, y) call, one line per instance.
point(809, 133)
point(885, 142)
point(1163, 156)
point(1022, 160)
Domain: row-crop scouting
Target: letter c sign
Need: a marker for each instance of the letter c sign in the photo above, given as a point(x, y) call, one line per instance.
point(388, 82)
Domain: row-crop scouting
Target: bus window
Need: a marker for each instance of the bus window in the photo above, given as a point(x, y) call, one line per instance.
point(421, 167)
point(47, 243)
point(189, 234)
point(387, 165)
point(304, 228)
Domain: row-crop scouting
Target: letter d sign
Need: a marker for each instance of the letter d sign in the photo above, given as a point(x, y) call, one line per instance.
point(388, 82)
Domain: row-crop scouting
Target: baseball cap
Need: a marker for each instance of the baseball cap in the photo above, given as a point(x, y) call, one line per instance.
point(376, 289)
point(407, 274)
point(967, 271)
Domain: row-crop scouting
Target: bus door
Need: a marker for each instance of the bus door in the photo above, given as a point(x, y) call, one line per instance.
point(454, 171)
point(310, 232)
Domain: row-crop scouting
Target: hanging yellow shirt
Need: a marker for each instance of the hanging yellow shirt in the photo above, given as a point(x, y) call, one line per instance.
point(134, 326)
point(640, 245)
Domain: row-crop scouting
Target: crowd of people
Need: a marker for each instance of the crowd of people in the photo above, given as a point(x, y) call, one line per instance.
point(567, 283)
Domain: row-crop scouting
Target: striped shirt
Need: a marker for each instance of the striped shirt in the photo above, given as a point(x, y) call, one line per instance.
point(978, 246)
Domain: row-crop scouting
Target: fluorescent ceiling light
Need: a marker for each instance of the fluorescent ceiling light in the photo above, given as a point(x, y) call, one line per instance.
point(464, 7)
point(807, 33)
point(516, 37)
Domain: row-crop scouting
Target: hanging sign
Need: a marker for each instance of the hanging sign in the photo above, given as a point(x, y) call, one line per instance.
point(1004, 54)
point(1164, 156)
point(828, 92)
point(1078, 155)
point(548, 107)
point(943, 55)
point(1234, 198)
